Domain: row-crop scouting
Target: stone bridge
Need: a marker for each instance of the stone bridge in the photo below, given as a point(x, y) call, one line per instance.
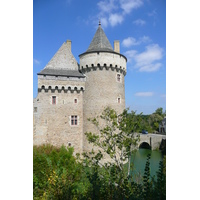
point(150, 140)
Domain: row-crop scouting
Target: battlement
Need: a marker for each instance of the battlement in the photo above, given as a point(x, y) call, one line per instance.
point(61, 88)
point(100, 67)
point(103, 60)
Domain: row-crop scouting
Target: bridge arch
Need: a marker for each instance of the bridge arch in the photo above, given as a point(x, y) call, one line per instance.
point(144, 145)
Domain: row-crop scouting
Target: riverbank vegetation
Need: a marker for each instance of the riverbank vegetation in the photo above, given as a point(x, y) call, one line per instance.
point(57, 174)
point(104, 173)
point(151, 122)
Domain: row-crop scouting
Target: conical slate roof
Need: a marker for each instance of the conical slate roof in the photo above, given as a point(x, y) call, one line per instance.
point(100, 42)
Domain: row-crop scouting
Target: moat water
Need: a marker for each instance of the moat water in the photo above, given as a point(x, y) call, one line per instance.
point(139, 158)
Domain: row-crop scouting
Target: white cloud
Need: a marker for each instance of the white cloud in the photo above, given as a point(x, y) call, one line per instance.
point(129, 5)
point(144, 94)
point(37, 62)
point(130, 54)
point(113, 12)
point(115, 19)
point(150, 67)
point(130, 41)
point(154, 15)
point(107, 6)
point(139, 22)
point(144, 39)
point(147, 61)
point(152, 53)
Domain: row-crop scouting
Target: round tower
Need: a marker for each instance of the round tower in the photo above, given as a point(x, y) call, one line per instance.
point(105, 70)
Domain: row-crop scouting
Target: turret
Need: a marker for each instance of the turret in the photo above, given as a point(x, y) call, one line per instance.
point(104, 69)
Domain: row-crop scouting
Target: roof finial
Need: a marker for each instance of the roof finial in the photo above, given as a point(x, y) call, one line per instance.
point(99, 22)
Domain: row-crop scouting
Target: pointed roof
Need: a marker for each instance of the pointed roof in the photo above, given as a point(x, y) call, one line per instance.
point(100, 42)
point(63, 63)
point(63, 58)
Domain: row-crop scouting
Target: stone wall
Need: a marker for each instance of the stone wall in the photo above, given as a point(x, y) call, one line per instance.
point(52, 122)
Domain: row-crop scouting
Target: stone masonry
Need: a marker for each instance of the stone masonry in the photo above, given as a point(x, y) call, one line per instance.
point(69, 93)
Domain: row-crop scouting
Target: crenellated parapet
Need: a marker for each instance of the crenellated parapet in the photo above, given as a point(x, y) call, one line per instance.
point(61, 88)
point(102, 60)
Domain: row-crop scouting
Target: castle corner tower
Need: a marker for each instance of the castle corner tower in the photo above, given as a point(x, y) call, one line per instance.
point(105, 70)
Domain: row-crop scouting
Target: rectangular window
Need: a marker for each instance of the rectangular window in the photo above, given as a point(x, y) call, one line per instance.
point(74, 120)
point(35, 109)
point(118, 77)
point(119, 100)
point(53, 99)
point(75, 100)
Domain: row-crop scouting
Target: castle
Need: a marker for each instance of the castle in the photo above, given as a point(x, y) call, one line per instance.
point(69, 93)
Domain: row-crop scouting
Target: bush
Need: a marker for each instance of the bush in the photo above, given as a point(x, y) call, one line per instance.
point(57, 174)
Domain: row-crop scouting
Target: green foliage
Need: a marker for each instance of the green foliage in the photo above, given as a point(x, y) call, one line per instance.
point(57, 174)
point(151, 122)
point(115, 138)
point(147, 181)
point(160, 184)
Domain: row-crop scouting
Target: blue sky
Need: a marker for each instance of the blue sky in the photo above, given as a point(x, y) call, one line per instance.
point(140, 25)
point(30, 36)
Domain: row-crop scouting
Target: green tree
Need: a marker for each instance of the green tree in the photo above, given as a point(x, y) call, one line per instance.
point(156, 118)
point(116, 138)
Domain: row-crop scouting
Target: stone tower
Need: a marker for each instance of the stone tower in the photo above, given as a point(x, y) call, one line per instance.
point(69, 93)
point(58, 107)
point(105, 70)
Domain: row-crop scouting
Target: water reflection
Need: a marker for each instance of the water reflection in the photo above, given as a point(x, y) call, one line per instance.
point(138, 161)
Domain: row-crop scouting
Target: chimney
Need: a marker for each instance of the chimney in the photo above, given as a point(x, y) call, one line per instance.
point(116, 46)
point(69, 44)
